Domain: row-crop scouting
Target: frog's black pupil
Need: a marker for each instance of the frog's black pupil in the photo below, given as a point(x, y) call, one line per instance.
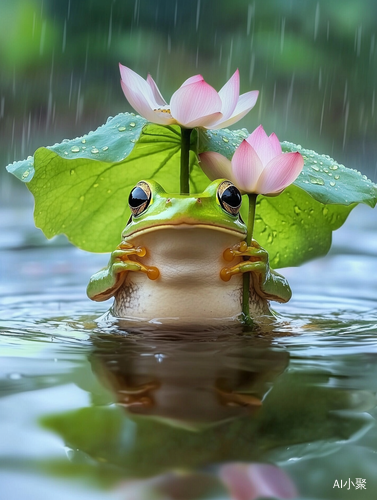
point(137, 197)
point(232, 197)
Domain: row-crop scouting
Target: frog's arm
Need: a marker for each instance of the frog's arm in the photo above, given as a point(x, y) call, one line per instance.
point(106, 282)
point(267, 283)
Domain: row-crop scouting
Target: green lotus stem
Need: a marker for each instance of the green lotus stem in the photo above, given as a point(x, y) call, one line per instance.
point(246, 277)
point(185, 160)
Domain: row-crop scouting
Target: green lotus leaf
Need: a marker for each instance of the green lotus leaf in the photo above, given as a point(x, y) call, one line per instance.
point(322, 177)
point(81, 187)
point(111, 142)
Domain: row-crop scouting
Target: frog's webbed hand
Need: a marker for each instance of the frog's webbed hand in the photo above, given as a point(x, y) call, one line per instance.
point(106, 282)
point(267, 283)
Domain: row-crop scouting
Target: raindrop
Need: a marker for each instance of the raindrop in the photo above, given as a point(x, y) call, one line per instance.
point(325, 210)
point(133, 140)
point(334, 167)
point(72, 172)
point(175, 13)
point(121, 129)
point(336, 177)
point(332, 183)
point(282, 34)
point(110, 28)
point(315, 168)
point(94, 151)
point(83, 141)
point(316, 21)
point(42, 39)
point(197, 14)
point(316, 180)
point(297, 210)
point(75, 149)
point(2, 107)
point(358, 40)
point(25, 174)
point(64, 36)
point(345, 123)
point(105, 148)
point(225, 139)
point(95, 185)
point(250, 13)
point(132, 124)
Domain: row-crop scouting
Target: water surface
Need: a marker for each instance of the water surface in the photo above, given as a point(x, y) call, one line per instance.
point(86, 408)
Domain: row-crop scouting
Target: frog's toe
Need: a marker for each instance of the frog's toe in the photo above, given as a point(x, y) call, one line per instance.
point(247, 266)
point(130, 265)
point(254, 250)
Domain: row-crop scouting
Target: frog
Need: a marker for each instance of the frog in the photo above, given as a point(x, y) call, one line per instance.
point(181, 260)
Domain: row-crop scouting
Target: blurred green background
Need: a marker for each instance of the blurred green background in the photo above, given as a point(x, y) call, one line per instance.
point(315, 63)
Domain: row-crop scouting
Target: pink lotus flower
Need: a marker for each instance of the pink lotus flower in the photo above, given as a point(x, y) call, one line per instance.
point(194, 104)
point(249, 481)
point(258, 165)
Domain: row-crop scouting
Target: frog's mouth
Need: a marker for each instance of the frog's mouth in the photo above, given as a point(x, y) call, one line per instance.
point(185, 226)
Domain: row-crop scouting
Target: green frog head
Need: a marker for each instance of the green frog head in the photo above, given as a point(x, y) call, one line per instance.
point(217, 208)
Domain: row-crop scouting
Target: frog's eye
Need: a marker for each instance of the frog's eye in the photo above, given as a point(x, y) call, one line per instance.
point(229, 197)
point(140, 198)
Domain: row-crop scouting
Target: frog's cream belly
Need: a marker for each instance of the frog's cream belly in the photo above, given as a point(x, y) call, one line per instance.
point(189, 287)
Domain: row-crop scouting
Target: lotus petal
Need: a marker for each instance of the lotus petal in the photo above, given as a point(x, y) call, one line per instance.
point(195, 101)
point(215, 166)
point(244, 104)
point(260, 141)
point(280, 172)
point(247, 167)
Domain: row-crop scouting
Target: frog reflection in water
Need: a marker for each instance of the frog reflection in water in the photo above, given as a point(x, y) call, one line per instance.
point(183, 257)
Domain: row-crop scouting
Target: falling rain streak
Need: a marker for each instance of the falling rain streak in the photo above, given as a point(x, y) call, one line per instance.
point(66, 75)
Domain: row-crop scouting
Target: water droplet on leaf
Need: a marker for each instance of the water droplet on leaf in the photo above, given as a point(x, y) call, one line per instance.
point(297, 210)
point(316, 180)
point(75, 149)
point(225, 139)
point(94, 151)
point(121, 129)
